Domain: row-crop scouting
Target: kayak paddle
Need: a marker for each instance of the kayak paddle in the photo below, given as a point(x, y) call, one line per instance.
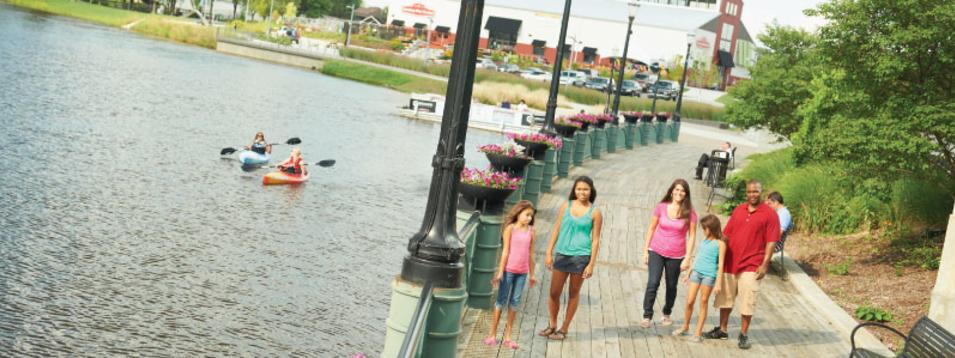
point(290, 141)
point(324, 163)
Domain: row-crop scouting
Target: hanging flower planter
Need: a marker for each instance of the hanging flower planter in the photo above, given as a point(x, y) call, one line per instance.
point(486, 189)
point(632, 117)
point(566, 126)
point(536, 144)
point(603, 119)
point(506, 158)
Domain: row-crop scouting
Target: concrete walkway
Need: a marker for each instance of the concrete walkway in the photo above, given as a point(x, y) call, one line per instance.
point(788, 322)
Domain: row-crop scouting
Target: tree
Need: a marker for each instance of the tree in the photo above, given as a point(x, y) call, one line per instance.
point(291, 11)
point(780, 82)
point(890, 97)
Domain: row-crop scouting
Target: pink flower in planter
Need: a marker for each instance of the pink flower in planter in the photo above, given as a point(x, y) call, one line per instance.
point(489, 179)
point(551, 141)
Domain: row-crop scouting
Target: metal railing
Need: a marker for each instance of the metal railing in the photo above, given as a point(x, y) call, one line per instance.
point(409, 347)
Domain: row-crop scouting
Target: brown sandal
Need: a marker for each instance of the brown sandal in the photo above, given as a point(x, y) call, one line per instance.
point(546, 332)
point(558, 336)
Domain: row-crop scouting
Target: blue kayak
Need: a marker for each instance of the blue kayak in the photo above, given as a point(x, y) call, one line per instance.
point(249, 157)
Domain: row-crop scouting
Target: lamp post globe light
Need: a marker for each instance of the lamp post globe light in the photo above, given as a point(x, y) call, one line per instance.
point(632, 8)
point(655, 68)
point(690, 37)
point(551, 109)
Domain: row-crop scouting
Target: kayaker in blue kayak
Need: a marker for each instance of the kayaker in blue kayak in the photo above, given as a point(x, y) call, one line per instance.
point(294, 164)
point(259, 145)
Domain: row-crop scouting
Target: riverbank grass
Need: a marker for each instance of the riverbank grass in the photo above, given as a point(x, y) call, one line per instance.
point(160, 26)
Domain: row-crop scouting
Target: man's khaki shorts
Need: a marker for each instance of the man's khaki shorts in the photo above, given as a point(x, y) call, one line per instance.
point(743, 284)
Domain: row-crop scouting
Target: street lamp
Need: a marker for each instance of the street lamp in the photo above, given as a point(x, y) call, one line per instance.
point(351, 22)
point(573, 54)
point(632, 8)
point(690, 37)
point(655, 68)
point(610, 83)
point(555, 76)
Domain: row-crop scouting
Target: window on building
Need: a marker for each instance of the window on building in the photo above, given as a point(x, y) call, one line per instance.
point(732, 9)
point(539, 46)
point(726, 38)
point(590, 55)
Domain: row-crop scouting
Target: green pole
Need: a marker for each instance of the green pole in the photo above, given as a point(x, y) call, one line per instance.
point(598, 138)
point(550, 169)
point(645, 133)
point(628, 136)
point(658, 130)
point(580, 147)
point(566, 157)
point(532, 188)
point(519, 193)
point(484, 260)
point(612, 138)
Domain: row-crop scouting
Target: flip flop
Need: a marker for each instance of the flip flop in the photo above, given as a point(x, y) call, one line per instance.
point(546, 332)
point(510, 344)
point(558, 336)
point(490, 341)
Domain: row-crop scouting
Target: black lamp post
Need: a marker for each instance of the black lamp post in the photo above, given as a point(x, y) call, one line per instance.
point(434, 253)
point(655, 68)
point(632, 7)
point(551, 109)
point(610, 85)
point(686, 62)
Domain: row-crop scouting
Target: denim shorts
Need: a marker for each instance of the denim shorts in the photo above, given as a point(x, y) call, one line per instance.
point(510, 289)
point(697, 278)
point(571, 264)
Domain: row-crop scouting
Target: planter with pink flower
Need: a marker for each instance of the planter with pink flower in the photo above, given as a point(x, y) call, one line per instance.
point(567, 126)
point(603, 119)
point(536, 144)
point(586, 121)
point(482, 189)
point(631, 117)
point(506, 158)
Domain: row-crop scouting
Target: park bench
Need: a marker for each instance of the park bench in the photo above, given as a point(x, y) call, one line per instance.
point(926, 339)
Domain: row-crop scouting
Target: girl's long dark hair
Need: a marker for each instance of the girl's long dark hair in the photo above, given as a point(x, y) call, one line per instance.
point(516, 211)
point(686, 207)
point(590, 182)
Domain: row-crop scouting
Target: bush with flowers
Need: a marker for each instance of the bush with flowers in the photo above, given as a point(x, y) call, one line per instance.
point(489, 179)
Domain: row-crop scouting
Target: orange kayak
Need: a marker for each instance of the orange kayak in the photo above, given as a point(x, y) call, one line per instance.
point(281, 178)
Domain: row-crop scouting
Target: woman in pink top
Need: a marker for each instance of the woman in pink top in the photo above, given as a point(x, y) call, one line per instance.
point(666, 247)
point(517, 264)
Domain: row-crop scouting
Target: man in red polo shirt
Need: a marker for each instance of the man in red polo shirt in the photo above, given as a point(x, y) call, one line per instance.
point(751, 232)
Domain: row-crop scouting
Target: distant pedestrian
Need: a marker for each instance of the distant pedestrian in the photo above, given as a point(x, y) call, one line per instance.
point(515, 269)
point(522, 106)
point(751, 233)
point(506, 104)
point(576, 237)
point(706, 276)
point(668, 248)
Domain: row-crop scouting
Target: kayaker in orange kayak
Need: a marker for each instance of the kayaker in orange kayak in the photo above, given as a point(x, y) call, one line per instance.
point(259, 145)
point(294, 165)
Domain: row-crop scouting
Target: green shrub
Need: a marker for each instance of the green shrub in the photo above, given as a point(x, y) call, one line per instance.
point(382, 77)
point(840, 269)
point(920, 202)
point(874, 314)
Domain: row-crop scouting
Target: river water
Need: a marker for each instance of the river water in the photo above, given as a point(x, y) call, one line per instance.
point(123, 231)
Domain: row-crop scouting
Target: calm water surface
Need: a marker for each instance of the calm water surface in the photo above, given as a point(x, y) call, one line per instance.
point(122, 230)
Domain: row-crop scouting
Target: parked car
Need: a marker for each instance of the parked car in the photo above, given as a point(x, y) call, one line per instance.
point(575, 78)
point(630, 88)
point(509, 68)
point(598, 83)
point(486, 63)
point(644, 79)
point(534, 74)
point(664, 89)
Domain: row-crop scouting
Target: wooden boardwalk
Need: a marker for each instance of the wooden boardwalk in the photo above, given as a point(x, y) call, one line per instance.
point(629, 184)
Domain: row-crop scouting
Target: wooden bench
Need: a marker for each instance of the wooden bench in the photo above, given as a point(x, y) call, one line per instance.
point(926, 339)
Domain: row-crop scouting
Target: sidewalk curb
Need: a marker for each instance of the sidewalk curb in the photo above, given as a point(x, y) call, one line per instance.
point(838, 317)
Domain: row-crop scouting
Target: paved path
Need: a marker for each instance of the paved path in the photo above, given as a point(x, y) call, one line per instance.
point(629, 184)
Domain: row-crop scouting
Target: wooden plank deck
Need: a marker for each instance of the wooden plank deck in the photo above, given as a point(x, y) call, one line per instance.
point(629, 184)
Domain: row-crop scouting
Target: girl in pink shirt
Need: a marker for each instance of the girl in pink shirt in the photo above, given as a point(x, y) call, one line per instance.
point(666, 248)
point(517, 264)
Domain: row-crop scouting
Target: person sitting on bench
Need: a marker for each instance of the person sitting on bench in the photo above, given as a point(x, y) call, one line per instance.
point(704, 162)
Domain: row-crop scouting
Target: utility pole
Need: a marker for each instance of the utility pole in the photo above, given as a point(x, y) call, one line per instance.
point(351, 20)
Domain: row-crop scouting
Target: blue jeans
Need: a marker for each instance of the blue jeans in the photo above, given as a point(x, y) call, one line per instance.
point(510, 289)
point(657, 266)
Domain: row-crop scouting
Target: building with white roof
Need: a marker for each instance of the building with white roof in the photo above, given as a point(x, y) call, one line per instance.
point(596, 30)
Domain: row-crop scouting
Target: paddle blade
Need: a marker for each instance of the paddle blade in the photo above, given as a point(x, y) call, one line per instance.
point(326, 163)
point(227, 151)
point(293, 141)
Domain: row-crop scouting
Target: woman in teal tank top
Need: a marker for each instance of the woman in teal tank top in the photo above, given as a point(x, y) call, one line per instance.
point(576, 237)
